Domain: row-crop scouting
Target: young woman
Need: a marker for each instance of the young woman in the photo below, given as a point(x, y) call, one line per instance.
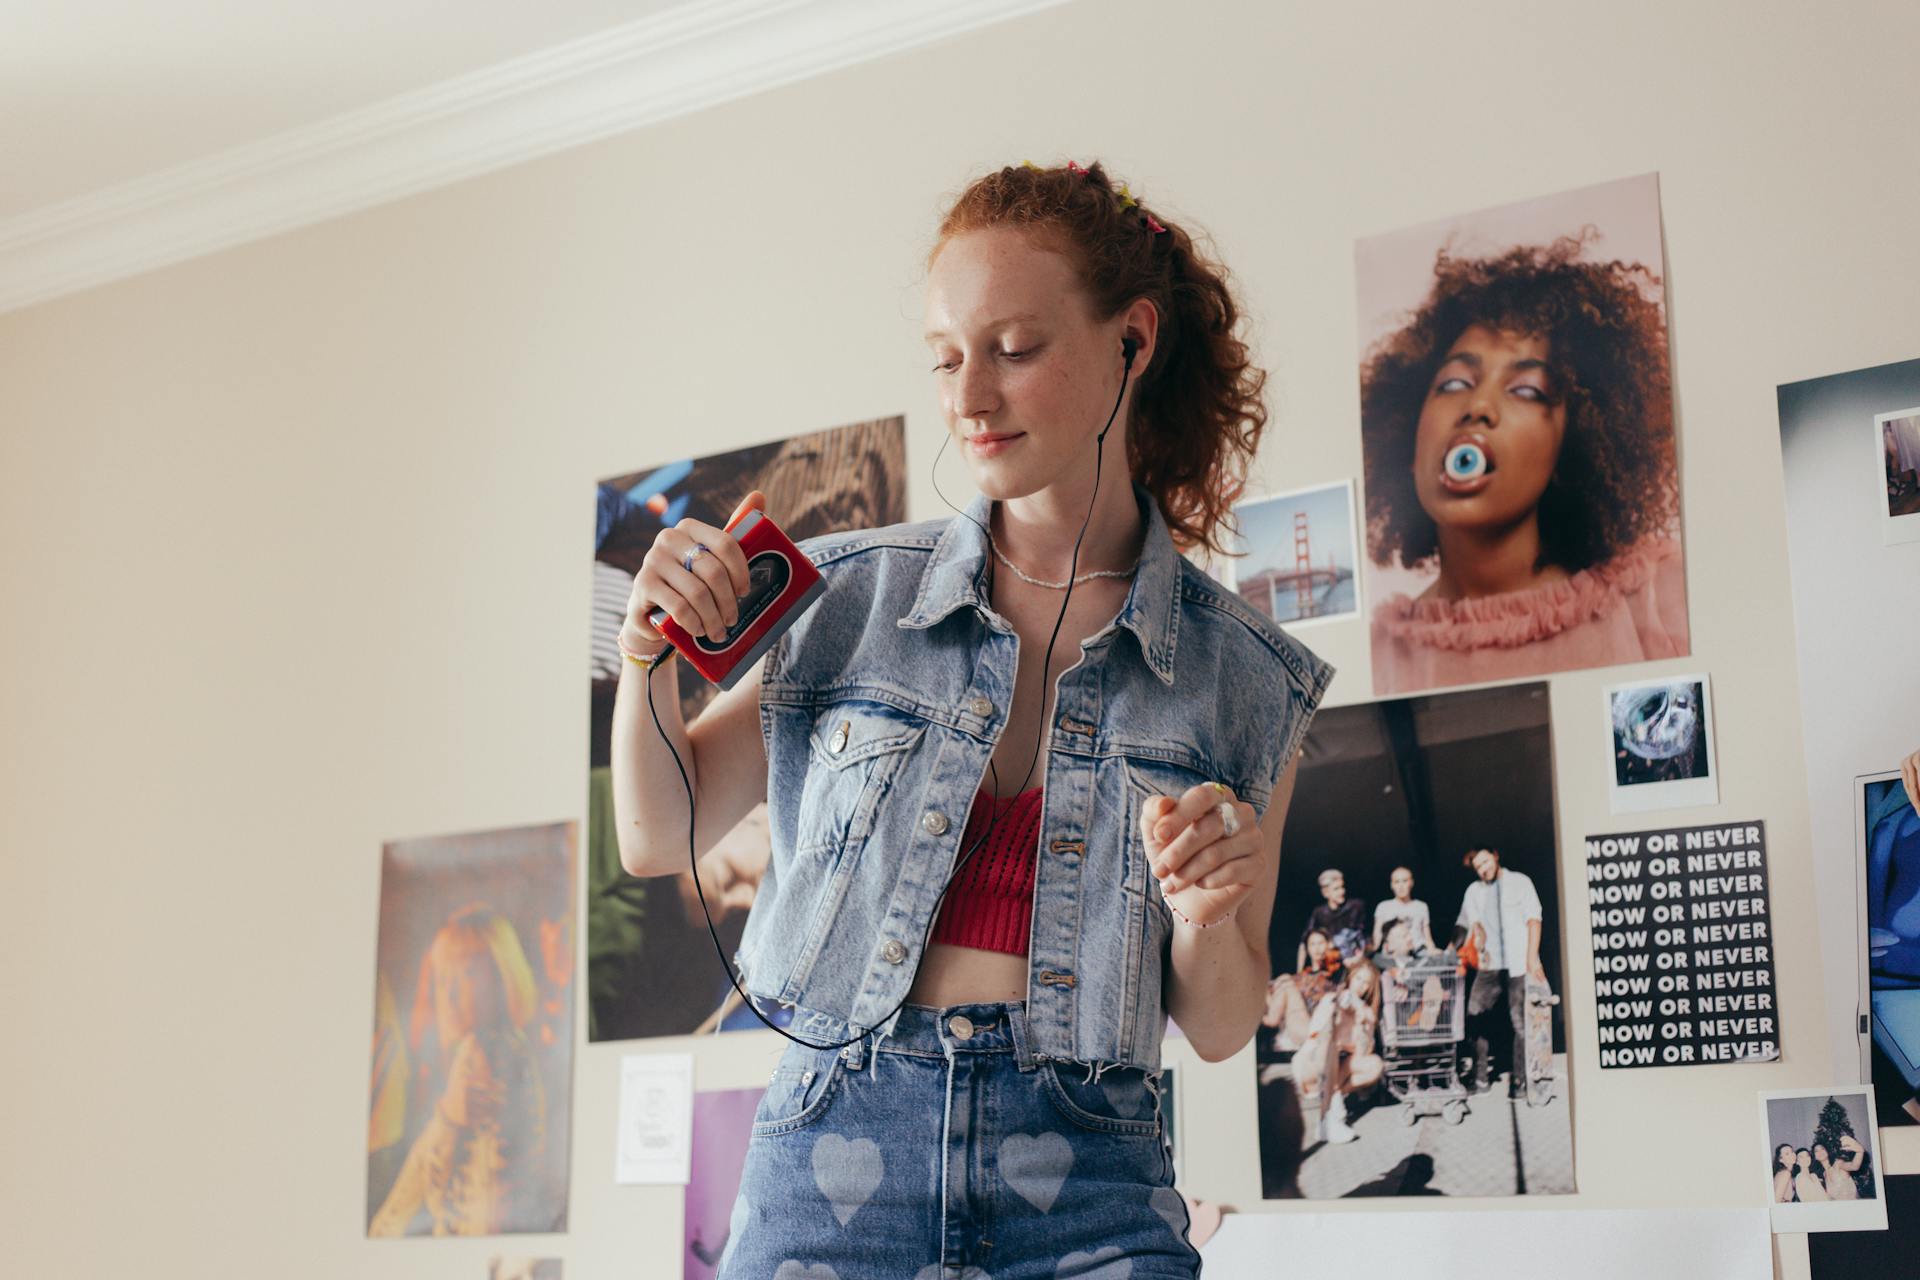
point(1293, 997)
point(1809, 1185)
point(1839, 1176)
point(1338, 1058)
point(1783, 1161)
point(477, 1159)
point(1041, 692)
point(1518, 437)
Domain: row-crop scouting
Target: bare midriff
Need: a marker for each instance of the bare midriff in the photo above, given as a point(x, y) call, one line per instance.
point(967, 975)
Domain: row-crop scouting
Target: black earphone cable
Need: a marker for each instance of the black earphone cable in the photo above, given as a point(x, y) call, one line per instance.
point(1129, 347)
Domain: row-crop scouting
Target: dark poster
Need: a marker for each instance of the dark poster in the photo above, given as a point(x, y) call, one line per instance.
point(1683, 946)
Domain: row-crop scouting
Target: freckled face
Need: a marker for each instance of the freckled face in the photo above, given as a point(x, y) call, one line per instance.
point(1026, 377)
point(1490, 431)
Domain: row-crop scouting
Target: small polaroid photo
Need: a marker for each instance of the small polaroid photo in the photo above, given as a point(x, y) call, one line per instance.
point(1661, 735)
point(1822, 1159)
point(1896, 440)
point(1295, 555)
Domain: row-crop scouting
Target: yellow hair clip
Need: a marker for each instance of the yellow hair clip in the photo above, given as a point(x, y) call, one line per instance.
point(1126, 201)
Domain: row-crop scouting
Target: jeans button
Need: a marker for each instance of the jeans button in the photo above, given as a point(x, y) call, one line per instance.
point(935, 821)
point(961, 1026)
point(981, 707)
point(894, 951)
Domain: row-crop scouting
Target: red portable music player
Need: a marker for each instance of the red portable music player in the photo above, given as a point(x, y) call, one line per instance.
point(784, 585)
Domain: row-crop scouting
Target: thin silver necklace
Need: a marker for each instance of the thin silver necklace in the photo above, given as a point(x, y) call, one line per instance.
point(1061, 586)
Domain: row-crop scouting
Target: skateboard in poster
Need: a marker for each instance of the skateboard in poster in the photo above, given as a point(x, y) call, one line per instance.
point(1539, 1038)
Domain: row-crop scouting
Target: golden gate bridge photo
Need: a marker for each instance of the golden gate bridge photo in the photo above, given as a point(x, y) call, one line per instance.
point(1292, 579)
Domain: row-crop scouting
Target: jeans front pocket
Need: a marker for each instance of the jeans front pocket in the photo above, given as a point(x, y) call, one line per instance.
point(1119, 1102)
point(801, 1090)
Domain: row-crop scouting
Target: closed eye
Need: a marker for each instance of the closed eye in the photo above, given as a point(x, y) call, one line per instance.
point(1010, 355)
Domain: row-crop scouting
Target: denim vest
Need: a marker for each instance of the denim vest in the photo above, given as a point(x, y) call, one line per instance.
point(881, 707)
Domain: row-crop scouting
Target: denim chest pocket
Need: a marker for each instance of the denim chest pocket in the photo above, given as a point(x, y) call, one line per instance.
point(1119, 1102)
point(1147, 778)
point(803, 1086)
point(854, 750)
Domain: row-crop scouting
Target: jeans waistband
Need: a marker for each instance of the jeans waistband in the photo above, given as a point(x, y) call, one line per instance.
point(988, 1027)
point(923, 1030)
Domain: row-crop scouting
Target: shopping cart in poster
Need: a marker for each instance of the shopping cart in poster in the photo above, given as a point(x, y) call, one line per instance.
point(1423, 1018)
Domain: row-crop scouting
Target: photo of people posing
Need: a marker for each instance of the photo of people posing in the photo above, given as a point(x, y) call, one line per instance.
point(1412, 1043)
point(1516, 415)
point(651, 965)
point(1823, 1154)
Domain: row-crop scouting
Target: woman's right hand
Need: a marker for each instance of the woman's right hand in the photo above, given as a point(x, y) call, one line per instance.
point(706, 599)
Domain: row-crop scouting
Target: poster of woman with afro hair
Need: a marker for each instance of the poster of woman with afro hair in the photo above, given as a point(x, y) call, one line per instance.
point(1522, 490)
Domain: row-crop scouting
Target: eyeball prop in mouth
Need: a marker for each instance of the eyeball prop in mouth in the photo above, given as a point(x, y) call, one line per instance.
point(1466, 461)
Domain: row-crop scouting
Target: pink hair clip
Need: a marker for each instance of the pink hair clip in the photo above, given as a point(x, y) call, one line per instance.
point(1153, 225)
point(1076, 168)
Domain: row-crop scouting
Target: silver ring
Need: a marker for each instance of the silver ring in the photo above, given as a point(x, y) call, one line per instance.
point(699, 549)
point(1229, 820)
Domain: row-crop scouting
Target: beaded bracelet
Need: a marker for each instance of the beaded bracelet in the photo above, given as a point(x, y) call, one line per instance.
point(1182, 916)
point(647, 663)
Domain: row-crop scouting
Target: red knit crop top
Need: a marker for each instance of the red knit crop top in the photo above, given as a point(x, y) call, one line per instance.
point(990, 903)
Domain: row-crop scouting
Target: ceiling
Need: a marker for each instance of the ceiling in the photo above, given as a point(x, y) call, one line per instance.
point(142, 134)
point(101, 92)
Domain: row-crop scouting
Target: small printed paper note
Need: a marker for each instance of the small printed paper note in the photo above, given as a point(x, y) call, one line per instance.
point(656, 1119)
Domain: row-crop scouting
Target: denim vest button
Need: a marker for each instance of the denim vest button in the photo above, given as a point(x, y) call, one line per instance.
point(961, 1026)
point(894, 951)
point(838, 742)
point(981, 707)
point(935, 821)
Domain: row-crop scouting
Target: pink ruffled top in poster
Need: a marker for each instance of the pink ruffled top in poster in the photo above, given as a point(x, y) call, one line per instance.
point(1631, 609)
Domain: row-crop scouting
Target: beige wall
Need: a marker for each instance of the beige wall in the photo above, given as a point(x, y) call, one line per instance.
point(297, 536)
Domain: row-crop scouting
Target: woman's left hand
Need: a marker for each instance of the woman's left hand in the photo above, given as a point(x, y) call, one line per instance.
point(1204, 873)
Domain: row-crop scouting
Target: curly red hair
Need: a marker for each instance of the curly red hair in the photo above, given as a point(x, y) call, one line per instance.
point(1196, 417)
point(1615, 481)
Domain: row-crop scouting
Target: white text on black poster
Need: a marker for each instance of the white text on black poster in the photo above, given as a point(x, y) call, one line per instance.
point(1683, 946)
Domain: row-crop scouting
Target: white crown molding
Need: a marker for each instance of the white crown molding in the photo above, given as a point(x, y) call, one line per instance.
point(670, 64)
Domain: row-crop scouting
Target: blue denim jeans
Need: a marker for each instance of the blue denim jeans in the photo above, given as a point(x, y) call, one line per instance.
point(947, 1150)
